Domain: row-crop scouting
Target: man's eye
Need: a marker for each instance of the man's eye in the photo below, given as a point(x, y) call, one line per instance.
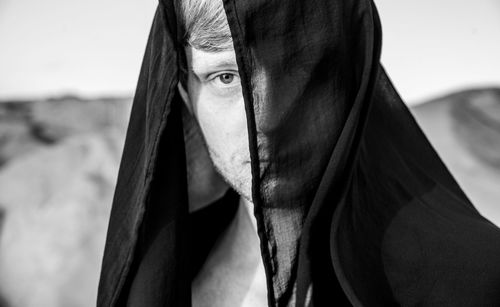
point(224, 82)
point(223, 79)
point(226, 78)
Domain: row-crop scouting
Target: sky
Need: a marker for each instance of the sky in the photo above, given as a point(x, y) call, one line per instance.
point(95, 47)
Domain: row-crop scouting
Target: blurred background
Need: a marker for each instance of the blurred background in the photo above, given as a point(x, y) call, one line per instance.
point(68, 71)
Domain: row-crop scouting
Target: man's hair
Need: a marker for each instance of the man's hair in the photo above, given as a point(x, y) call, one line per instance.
point(205, 25)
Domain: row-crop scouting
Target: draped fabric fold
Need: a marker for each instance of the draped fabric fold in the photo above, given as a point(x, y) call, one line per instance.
point(146, 247)
point(353, 205)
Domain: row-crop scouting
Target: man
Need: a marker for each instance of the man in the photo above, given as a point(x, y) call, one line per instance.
point(352, 206)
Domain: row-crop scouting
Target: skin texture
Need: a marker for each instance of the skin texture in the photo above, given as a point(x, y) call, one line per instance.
point(214, 99)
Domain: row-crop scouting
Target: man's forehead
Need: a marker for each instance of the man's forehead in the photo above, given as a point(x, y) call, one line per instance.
point(202, 61)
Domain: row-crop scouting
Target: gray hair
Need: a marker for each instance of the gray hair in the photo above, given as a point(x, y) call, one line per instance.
point(205, 25)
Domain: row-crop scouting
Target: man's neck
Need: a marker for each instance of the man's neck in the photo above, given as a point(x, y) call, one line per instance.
point(233, 274)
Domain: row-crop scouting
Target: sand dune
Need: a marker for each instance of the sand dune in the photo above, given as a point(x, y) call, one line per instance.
point(59, 165)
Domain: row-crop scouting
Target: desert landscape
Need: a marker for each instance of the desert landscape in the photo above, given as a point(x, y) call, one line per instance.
point(59, 160)
point(58, 165)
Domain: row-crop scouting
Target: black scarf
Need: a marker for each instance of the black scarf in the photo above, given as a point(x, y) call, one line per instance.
point(353, 205)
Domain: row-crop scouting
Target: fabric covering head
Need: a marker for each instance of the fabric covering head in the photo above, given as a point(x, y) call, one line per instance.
point(353, 205)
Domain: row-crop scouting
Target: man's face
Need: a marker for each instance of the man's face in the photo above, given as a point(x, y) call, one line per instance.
point(215, 99)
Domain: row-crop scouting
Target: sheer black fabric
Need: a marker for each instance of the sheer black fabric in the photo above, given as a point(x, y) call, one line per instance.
point(353, 205)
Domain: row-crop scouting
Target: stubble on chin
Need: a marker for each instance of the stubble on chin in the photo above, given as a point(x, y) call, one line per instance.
point(236, 173)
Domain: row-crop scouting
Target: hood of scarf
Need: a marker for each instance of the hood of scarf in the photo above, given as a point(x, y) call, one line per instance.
point(337, 161)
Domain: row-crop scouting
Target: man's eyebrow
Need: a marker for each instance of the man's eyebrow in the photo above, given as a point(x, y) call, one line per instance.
point(216, 65)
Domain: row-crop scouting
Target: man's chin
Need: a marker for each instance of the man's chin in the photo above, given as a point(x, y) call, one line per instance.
point(244, 190)
point(241, 182)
